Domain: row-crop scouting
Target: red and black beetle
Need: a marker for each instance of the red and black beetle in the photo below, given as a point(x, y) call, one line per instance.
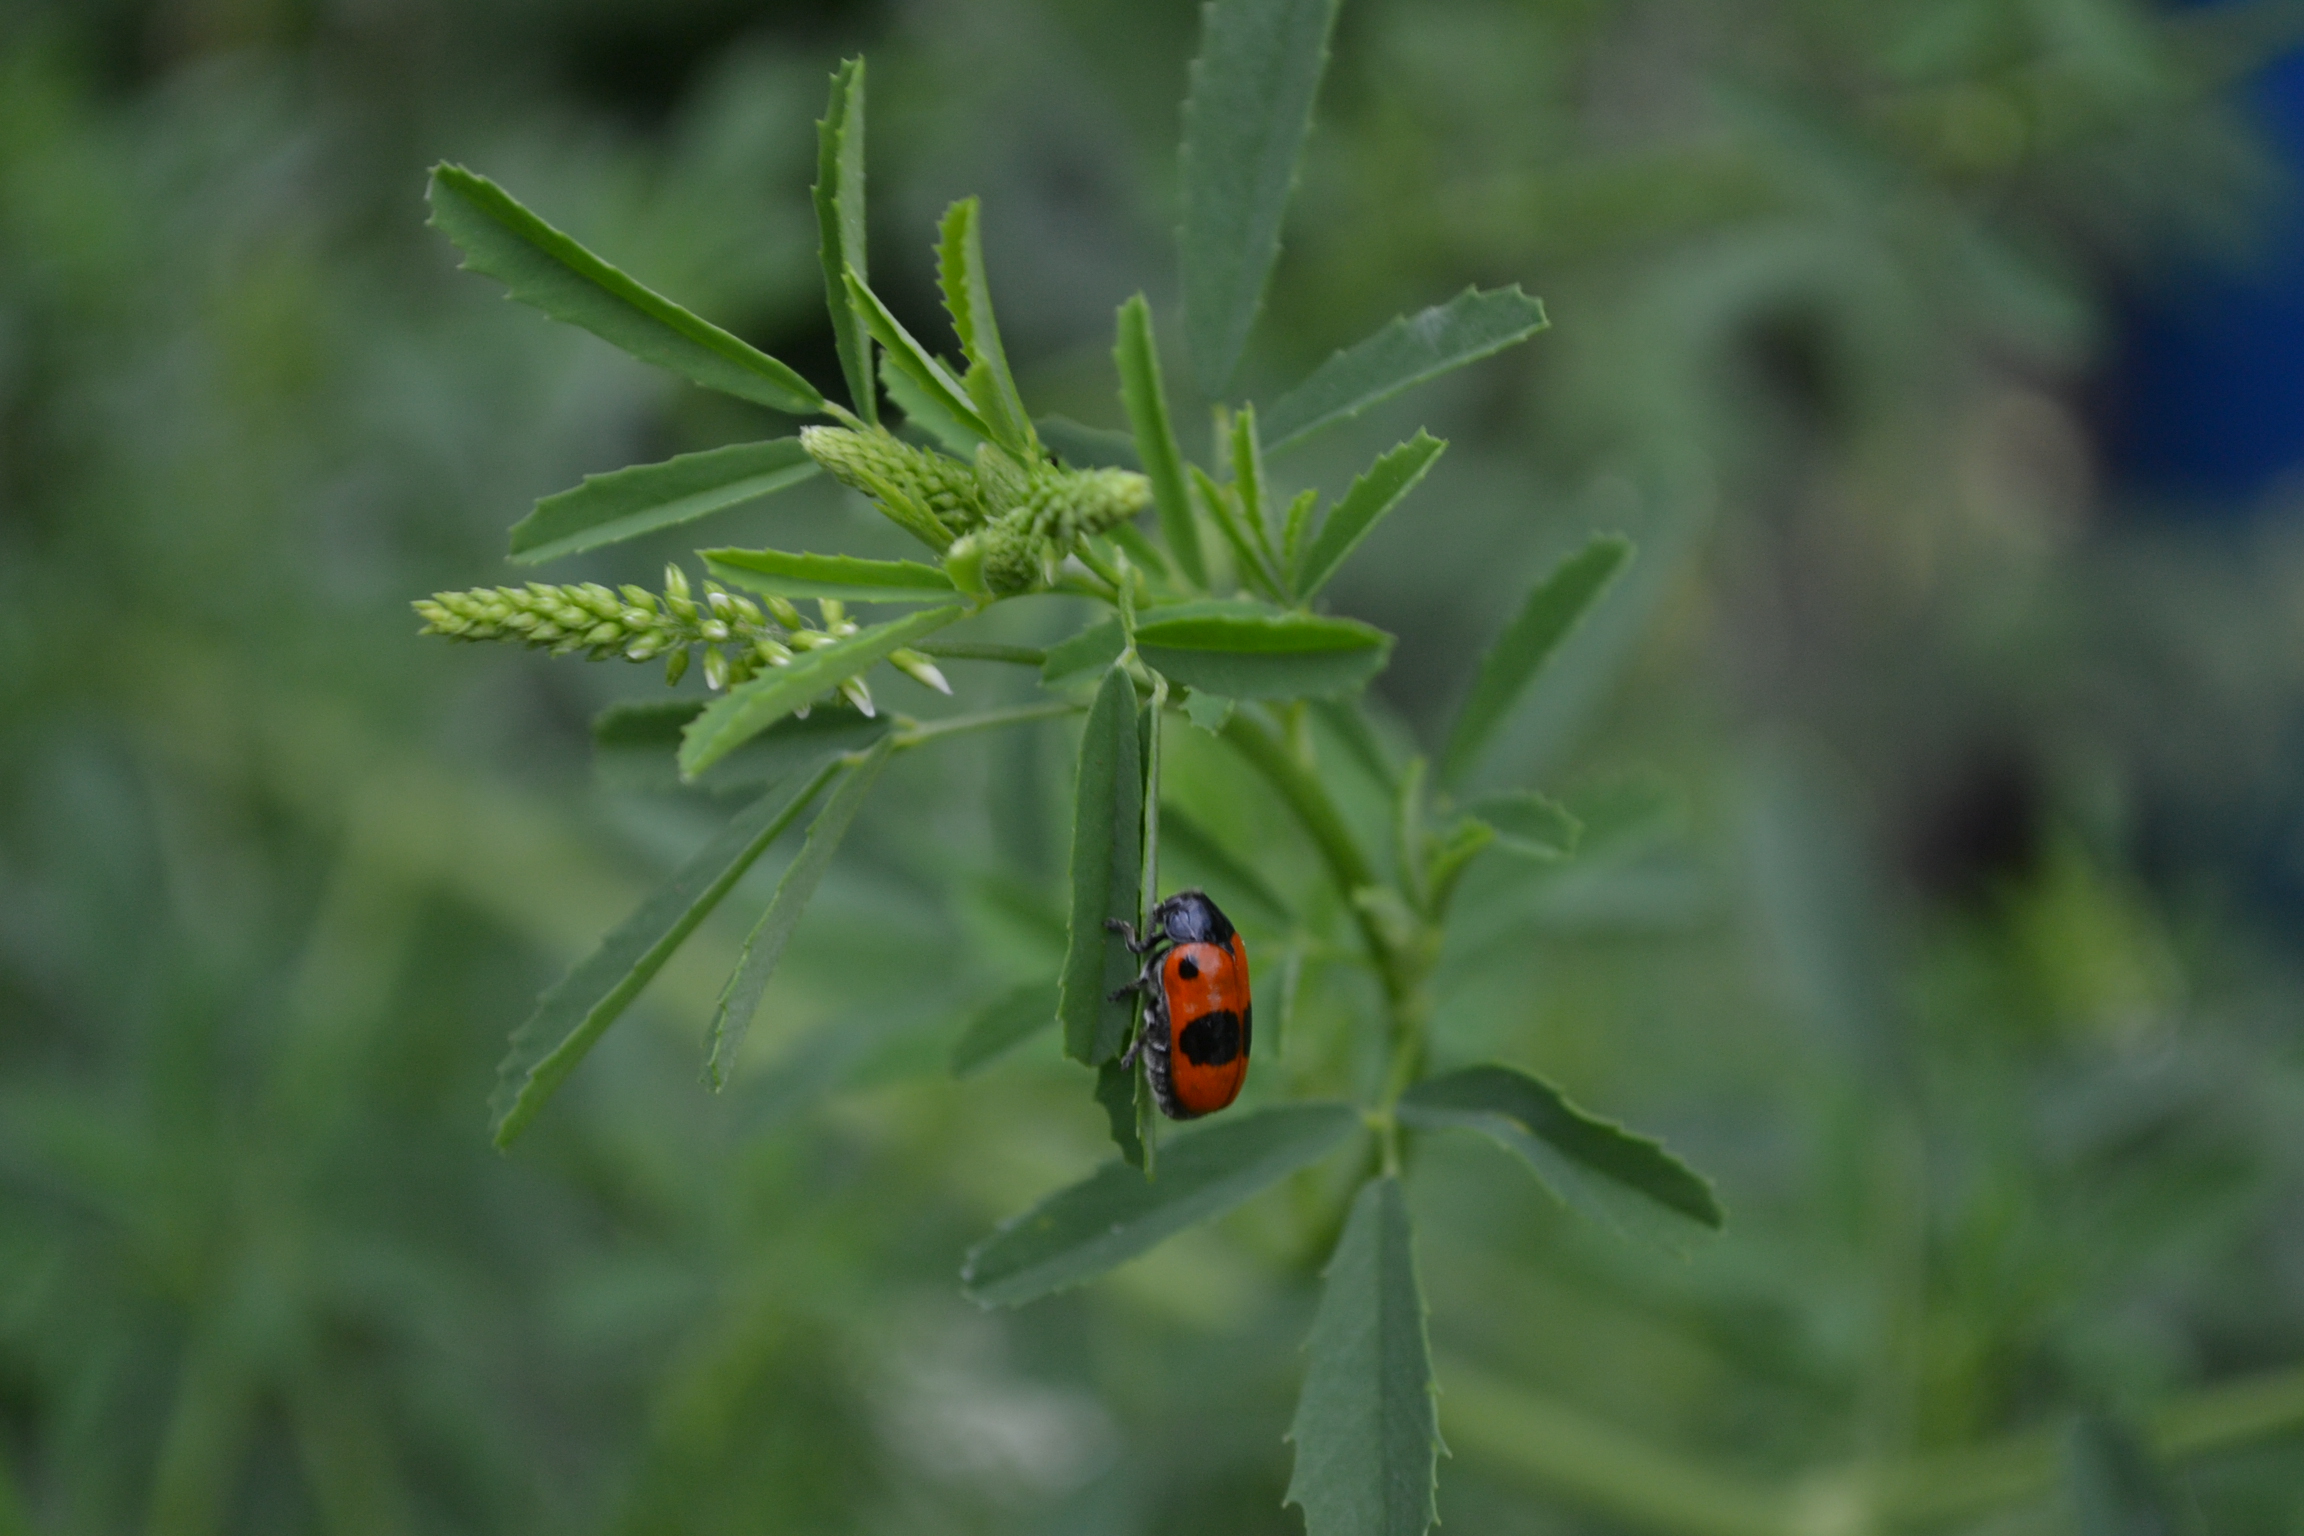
point(1197, 1018)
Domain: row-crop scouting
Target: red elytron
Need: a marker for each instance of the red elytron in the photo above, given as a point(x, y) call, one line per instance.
point(1198, 1021)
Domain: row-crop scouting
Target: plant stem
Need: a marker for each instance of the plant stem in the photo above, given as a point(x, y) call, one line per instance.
point(914, 732)
point(983, 650)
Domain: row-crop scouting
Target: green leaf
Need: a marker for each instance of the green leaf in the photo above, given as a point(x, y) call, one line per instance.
point(1231, 881)
point(571, 1016)
point(921, 410)
point(1115, 1214)
point(1372, 495)
point(1001, 1025)
point(968, 300)
point(740, 999)
point(838, 576)
point(1587, 1161)
point(1247, 651)
point(1367, 1429)
point(1146, 401)
point(839, 195)
point(1107, 863)
point(1116, 1093)
point(635, 746)
point(1091, 650)
point(914, 361)
point(1209, 711)
point(1224, 507)
point(2115, 1487)
point(1248, 484)
point(1405, 353)
point(544, 268)
point(1299, 523)
point(1528, 824)
point(752, 707)
point(1246, 117)
point(626, 503)
point(1081, 446)
point(1550, 615)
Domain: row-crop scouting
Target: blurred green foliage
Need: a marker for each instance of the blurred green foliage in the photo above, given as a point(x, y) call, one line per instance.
point(1937, 966)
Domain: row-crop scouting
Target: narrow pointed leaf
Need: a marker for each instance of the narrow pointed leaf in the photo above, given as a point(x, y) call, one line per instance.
point(1245, 552)
point(1248, 484)
point(1405, 353)
point(1107, 863)
point(1372, 495)
point(740, 999)
point(1081, 446)
point(754, 706)
point(570, 1018)
point(846, 577)
point(1146, 401)
point(626, 503)
point(545, 268)
point(1116, 1213)
point(1367, 1430)
point(1299, 524)
point(1548, 617)
point(968, 300)
point(1588, 1162)
point(921, 410)
point(1529, 824)
point(839, 196)
point(1001, 1025)
point(1248, 651)
point(914, 361)
point(1246, 116)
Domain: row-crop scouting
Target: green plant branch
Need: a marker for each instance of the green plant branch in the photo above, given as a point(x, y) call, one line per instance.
point(984, 650)
point(912, 733)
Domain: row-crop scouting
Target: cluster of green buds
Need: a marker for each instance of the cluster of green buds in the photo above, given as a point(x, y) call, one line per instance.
point(738, 636)
point(1002, 526)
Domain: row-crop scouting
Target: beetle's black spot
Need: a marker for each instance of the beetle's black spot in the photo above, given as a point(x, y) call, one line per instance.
point(1188, 968)
point(1212, 1040)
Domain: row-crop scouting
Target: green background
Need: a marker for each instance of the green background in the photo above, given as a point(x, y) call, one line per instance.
point(1938, 970)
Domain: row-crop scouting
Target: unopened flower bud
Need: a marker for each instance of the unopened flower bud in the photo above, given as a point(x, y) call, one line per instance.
point(715, 668)
point(856, 693)
point(920, 669)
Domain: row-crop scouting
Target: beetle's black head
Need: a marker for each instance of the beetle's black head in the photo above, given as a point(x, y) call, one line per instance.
point(1189, 917)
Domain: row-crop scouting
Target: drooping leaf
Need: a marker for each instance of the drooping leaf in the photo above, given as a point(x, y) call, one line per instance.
point(545, 268)
point(1367, 1430)
point(1244, 650)
point(1107, 864)
point(1116, 1213)
point(1529, 824)
point(1224, 507)
point(1246, 116)
point(921, 410)
point(1233, 883)
point(752, 707)
point(2114, 1486)
point(635, 746)
point(626, 503)
point(571, 1016)
point(1548, 617)
point(1405, 353)
point(1587, 1161)
point(1002, 1024)
point(915, 361)
point(1081, 446)
point(968, 300)
point(1143, 396)
point(1372, 495)
point(1116, 1093)
point(1091, 650)
point(740, 999)
point(845, 577)
point(839, 196)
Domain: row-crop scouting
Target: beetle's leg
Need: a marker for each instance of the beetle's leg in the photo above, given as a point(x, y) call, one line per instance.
point(1127, 932)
